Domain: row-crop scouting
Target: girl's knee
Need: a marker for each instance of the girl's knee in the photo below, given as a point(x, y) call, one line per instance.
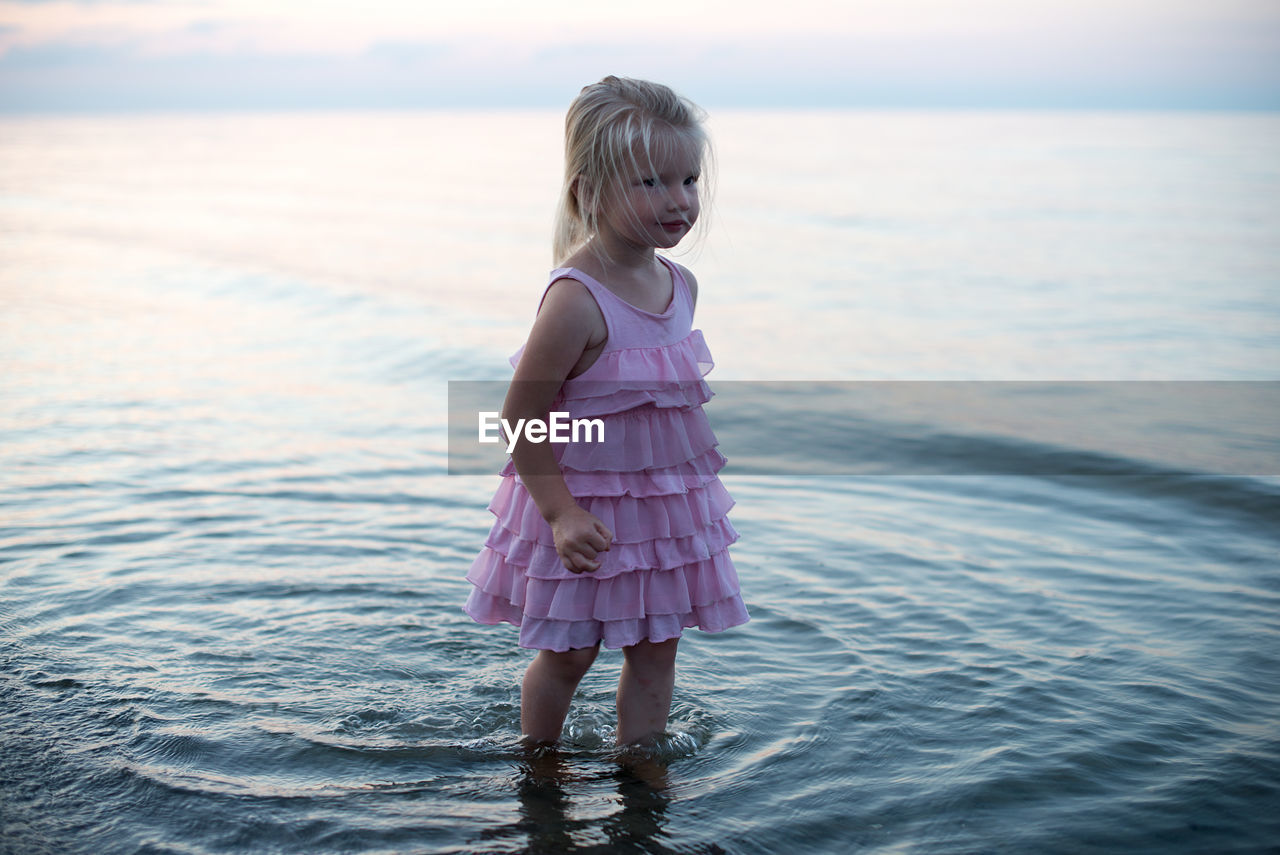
point(572, 664)
point(652, 655)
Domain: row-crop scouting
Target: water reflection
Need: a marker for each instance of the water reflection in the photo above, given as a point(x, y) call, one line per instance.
point(552, 796)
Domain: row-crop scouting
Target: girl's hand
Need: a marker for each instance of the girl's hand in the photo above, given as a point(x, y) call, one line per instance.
point(580, 537)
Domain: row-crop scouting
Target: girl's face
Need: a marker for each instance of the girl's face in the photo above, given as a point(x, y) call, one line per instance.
point(654, 201)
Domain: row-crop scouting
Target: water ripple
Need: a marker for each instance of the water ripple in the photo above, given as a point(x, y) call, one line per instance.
point(232, 563)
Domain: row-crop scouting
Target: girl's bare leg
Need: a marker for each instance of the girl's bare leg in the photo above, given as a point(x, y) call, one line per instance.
point(548, 687)
point(644, 691)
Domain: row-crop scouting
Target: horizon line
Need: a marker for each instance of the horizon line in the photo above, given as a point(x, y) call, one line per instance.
point(711, 106)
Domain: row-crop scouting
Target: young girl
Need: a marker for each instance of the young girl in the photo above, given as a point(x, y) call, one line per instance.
point(621, 539)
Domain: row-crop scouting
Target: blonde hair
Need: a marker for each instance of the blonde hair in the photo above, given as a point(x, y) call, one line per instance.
point(610, 125)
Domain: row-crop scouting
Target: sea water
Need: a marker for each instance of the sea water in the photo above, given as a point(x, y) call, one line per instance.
point(232, 557)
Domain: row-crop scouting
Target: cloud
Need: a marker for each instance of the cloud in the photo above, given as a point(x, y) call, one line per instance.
point(1129, 53)
point(82, 2)
point(407, 53)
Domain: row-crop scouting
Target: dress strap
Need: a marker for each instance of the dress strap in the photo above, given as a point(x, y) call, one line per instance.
point(680, 285)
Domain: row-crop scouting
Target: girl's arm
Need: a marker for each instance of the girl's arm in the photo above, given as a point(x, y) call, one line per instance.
point(568, 323)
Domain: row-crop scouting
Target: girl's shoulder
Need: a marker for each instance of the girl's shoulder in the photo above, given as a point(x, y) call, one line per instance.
point(567, 334)
point(568, 300)
point(689, 279)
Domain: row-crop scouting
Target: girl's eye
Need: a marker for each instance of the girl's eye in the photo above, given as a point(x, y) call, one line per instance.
point(692, 179)
point(650, 182)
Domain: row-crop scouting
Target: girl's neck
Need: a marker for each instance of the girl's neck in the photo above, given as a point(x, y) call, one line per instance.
point(621, 256)
point(637, 276)
point(616, 265)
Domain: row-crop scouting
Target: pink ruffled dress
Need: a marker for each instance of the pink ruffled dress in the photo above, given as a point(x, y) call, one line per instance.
point(652, 480)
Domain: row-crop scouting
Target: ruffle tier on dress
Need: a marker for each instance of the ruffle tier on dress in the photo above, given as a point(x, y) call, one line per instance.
point(653, 481)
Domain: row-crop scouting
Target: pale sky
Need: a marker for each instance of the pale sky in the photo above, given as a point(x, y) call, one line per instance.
point(174, 54)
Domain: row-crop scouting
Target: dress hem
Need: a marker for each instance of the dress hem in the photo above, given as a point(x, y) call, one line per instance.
point(602, 641)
